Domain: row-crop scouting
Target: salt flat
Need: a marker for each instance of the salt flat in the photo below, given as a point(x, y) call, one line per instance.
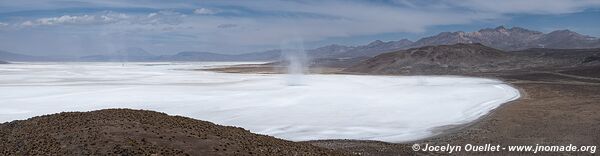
point(384, 108)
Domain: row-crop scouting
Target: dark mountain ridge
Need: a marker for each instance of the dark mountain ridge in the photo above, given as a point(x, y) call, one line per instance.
point(473, 58)
point(502, 38)
point(515, 38)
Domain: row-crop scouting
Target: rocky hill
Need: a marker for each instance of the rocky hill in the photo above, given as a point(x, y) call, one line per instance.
point(137, 132)
point(566, 39)
point(515, 38)
point(507, 39)
point(473, 58)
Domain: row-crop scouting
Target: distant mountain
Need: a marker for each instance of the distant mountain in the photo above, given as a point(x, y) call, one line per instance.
point(502, 38)
point(268, 55)
point(515, 38)
point(208, 56)
point(8, 56)
point(128, 54)
point(375, 48)
point(194, 56)
point(566, 39)
point(139, 54)
point(472, 58)
point(4, 62)
point(328, 51)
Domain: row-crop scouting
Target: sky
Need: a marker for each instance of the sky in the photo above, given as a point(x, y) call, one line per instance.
point(88, 27)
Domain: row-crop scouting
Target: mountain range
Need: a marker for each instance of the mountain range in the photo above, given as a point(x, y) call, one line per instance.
point(8, 56)
point(502, 38)
point(128, 54)
point(512, 39)
point(471, 58)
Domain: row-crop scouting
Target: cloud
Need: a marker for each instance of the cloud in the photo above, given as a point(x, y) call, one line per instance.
point(205, 11)
point(107, 18)
point(3, 24)
point(66, 19)
point(161, 17)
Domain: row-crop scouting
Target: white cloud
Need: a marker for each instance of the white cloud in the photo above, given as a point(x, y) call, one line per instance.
point(161, 17)
point(106, 18)
point(3, 24)
point(66, 19)
point(205, 11)
point(109, 17)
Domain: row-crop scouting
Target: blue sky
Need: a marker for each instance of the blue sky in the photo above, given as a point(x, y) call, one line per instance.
point(84, 27)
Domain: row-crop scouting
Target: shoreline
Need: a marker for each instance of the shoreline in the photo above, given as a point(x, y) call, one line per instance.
point(514, 123)
point(437, 132)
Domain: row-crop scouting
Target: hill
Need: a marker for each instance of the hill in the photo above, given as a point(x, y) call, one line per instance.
point(138, 132)
point(473, 58)
point(515, 38)
point(502, 38)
